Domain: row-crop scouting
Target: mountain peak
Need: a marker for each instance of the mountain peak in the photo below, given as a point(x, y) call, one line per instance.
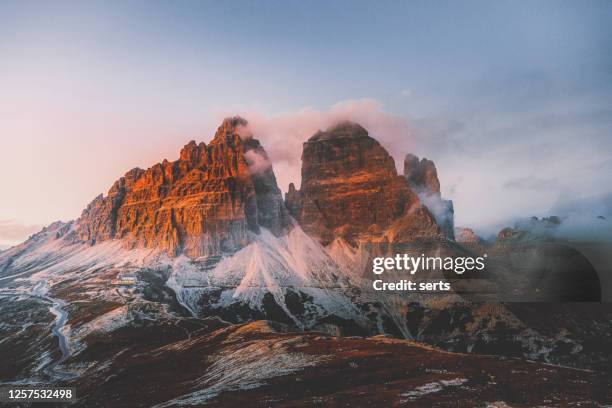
point(192, 152)
point(350, 189)
point(232, 130)
point(232, 122)
point(421, 174)
point(341, 130)
point(205, 203)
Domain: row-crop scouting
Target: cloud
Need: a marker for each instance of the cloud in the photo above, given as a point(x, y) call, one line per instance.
point(257, 162)
point(512, 149)
point(282, 135)
point(531, 183)
point(441, 209)
point(13, 233)
point(244, 132)
point(406, 93)
point(594, 206)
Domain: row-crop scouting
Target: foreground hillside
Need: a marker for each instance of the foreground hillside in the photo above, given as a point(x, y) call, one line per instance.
point(253, 364)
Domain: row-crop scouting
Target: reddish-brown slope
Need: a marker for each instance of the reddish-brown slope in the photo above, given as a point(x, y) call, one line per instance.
point(252, 365)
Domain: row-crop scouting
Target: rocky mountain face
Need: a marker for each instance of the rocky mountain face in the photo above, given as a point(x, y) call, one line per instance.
point(205, 203)
point(422, 174)
point(350, 189)
point(208, 201)
point(422, 177)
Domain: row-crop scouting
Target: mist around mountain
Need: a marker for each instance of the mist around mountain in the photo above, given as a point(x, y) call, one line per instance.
point(198, 275)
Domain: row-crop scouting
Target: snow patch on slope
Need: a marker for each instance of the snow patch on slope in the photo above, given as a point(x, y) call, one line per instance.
point(307, 281)
point(52, 253)
point(352, 261)
point(431, 388)
point(105, 323)
point(269, 264)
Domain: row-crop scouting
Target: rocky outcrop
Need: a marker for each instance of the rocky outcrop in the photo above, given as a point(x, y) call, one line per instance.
point(293, 200)
point(209, 200)
point(205, 203)
point(422, 177)
point(271, 211)
point(532, 229)
point(351, 189)
point(467, 236)
point(506, 234)
point(422, 174)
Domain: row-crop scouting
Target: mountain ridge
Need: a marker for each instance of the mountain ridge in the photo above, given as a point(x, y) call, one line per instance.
point(214, 224)
point(202, 204)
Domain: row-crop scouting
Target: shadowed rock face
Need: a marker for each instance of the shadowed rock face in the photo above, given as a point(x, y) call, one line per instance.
point(421, 173)
point(351, 189)
point(271, 211)
point(203, 204)
point(422, 177)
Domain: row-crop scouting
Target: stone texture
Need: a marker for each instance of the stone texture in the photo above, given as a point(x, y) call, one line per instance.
point(422, 174)
point(206, 203)
point(422, 177)
point(350, 189)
